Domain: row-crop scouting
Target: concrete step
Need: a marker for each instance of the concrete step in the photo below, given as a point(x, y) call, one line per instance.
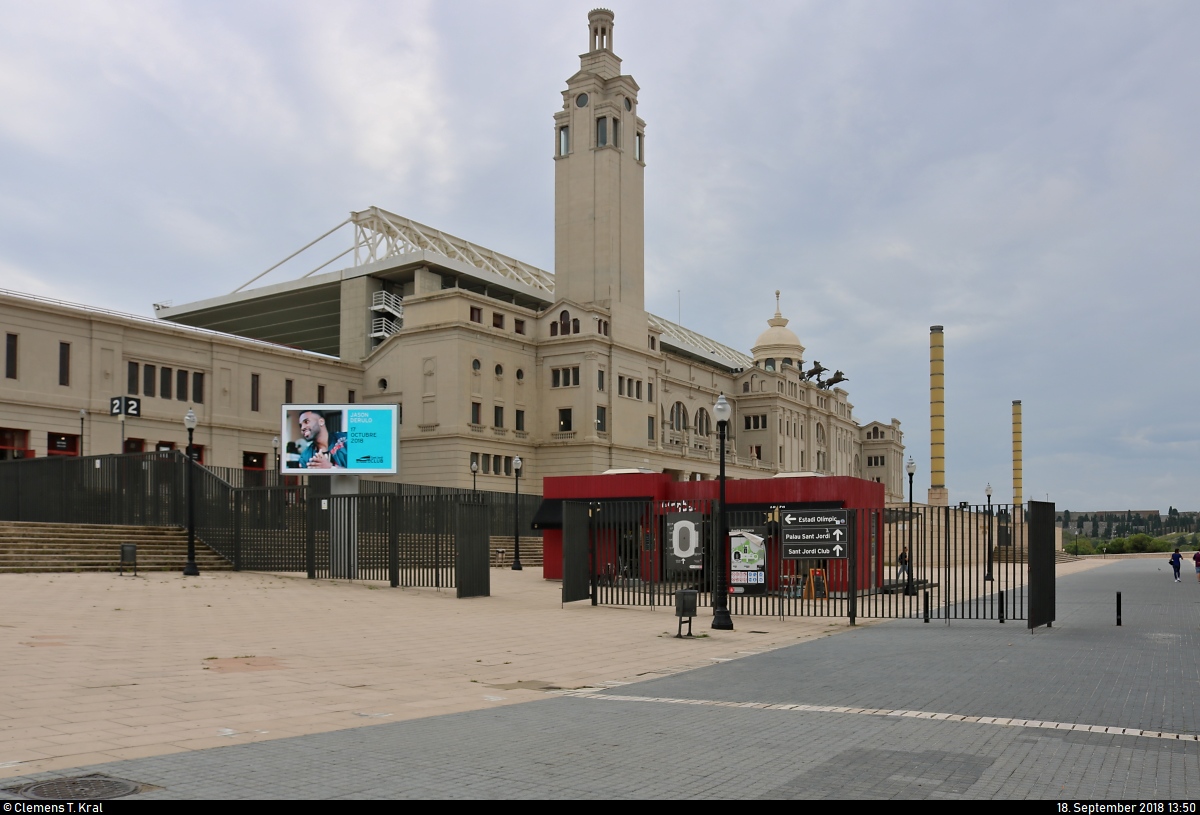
point(30, 547)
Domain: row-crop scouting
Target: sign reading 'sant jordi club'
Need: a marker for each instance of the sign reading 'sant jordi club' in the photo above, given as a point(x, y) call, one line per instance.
point(338, 440)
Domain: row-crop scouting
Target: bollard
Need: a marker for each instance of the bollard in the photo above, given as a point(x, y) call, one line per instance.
point(1002, 608)
point(925, 603)
point(1118, 608)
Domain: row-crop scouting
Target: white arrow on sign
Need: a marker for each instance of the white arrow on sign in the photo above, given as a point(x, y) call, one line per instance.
point(837, 550)
point(789, 518)
point(837, 533)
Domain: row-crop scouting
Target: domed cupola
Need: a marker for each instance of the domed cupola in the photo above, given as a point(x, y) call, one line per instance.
point(777, 346)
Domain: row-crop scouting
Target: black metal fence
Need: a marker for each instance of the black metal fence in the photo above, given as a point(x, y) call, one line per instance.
point(140, 490)
point(966, 562)
point(407, 536)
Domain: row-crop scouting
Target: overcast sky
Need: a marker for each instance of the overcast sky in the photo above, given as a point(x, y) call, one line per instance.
point(1025, 173)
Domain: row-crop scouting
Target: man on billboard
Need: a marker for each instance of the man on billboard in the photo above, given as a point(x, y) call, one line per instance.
point(323, 450)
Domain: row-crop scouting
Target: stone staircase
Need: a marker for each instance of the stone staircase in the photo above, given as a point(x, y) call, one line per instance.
point(531, 551)
point(38, 547)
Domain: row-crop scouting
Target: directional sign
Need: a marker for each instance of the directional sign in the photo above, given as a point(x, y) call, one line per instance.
point(815, 517)
point(802, 551)
point(814, 534)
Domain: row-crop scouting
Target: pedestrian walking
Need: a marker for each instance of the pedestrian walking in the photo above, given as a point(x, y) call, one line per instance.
point(1175, 560)
point(1196, 560)
point(902, 564)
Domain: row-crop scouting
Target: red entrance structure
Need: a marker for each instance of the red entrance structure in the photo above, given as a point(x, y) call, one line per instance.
point(752, 495)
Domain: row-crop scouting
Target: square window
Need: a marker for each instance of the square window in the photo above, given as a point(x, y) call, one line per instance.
point(650, 428)
point(601, 420)
point(575, 376)
point(476, 413)
point(600, 380)
point(288, 395)
point(639, 390)
point(520, 420)
point(198, 388)
point(181, 385)
point(602, 132)
point(507, 464)
point(487, 464)
point(564, 420)
point(476, 314)
point(497, 320)
point(320, 394)
point(254, 392)
point(350, 397)
point(165, 380)
point(564, 140)
point(555, 378)
point(498, 416)
point(132, 385)
point(518, 326)
point(148, 380)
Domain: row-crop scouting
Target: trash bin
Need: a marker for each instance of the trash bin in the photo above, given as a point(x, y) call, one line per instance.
point(685, 606)
point(129, 557)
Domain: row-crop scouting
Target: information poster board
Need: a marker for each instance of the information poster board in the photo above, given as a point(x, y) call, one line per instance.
point(748, 561)
point(338, 440)
point(685, 551)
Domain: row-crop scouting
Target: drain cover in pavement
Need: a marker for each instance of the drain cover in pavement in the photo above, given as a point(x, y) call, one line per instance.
point(78, 788)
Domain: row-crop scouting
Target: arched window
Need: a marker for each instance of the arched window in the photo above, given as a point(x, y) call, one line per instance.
point(703, 423)
point(770, 364)
point(564, 323)
point(787, 360)
point(679, 416)
point(820, 433)
point(858, 466)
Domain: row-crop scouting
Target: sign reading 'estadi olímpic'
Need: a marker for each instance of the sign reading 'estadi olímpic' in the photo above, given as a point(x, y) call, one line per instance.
point(822, 533)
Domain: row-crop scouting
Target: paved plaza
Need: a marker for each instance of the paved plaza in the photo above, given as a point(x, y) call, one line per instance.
point(258, 686)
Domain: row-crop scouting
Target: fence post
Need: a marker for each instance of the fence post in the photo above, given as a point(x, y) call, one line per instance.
point(1118, 608)
point(851, 564)
point(237, 530)
point(311, 503)
point(393, 541)
point(1002, 606)
point(592, 552)
point(925, 603)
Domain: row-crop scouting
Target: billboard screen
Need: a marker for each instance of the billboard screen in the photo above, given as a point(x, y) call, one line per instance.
point(338, 440)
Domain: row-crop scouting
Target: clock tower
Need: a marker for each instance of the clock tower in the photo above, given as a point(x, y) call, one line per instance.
point(599, 206)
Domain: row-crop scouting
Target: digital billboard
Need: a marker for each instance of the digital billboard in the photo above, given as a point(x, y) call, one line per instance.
point(338, 440)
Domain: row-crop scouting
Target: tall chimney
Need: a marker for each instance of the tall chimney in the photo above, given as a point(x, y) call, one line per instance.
point(1017, 452)
point(938, 494)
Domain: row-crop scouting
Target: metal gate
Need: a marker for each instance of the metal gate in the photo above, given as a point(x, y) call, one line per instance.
point(933, 563)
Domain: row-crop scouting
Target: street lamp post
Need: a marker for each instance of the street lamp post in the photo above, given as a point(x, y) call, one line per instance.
point(988, 492)
point(517, 515)
point(722, 410)
point(474, 472)
point(911, 469)
point(82, 416)
point(275, 448)
point(190, 570)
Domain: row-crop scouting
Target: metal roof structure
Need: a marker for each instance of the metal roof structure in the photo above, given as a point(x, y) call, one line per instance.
point(305, 311)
